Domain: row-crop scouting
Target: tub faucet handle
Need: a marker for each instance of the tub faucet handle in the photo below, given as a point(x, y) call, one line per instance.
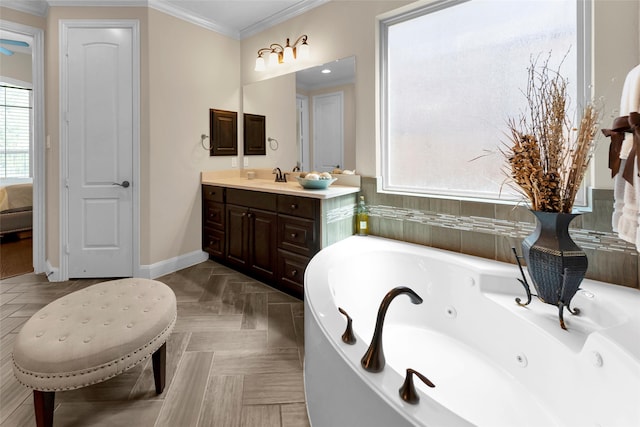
point(348, 337)
point(408, 391)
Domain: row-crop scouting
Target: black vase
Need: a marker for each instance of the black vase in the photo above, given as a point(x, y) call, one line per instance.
point(555, 263)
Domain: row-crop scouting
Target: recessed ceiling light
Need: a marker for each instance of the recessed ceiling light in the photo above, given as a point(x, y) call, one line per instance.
point(326, 71)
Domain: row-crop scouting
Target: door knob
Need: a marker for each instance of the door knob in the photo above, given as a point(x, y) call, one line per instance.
point(124, 184)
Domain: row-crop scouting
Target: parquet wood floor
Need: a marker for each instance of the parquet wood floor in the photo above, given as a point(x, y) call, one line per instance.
point(234, 358)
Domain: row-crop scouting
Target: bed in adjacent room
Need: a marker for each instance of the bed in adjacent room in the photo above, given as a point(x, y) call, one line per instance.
point(16, 205)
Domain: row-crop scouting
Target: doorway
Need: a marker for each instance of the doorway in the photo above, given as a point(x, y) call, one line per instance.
point(100, 148)
point(328, 131)
point(35, 38)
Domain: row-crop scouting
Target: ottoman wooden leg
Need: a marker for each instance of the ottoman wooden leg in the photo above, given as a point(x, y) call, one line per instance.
point(159, 359)
point(43, 402)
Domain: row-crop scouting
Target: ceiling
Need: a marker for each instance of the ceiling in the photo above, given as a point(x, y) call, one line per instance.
point(238, 19)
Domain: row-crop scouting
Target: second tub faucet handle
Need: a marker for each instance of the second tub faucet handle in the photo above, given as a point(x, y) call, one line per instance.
point(348, 337)
point(408, 391)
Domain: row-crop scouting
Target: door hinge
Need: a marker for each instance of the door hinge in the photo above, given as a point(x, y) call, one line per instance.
point(67, 250)
point(66, 182)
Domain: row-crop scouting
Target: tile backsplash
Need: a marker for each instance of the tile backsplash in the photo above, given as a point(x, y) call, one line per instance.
point(491, 230)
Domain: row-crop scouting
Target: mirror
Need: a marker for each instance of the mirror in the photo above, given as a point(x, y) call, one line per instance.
point(310, 114)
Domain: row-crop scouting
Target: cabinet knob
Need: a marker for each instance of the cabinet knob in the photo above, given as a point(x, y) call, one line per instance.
point(244, 214)
point(294, 235)
point(294, 206)
point(294, 273)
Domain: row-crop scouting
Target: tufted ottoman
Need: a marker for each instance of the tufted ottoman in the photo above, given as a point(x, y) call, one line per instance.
point(92, 335)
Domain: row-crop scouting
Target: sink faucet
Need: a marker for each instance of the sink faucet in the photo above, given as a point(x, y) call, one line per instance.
point(280, 177)
point(373, 360)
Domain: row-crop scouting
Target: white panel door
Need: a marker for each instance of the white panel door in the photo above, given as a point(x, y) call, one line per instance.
point(328, 133)
point(100, 152)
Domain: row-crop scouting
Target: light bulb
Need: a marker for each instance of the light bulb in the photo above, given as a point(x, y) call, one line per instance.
point(260, 65)
point(302, 51)
point(288, 54)
point(273, 58)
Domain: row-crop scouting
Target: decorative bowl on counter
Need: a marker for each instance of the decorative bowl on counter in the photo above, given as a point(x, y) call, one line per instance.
point(315, 184)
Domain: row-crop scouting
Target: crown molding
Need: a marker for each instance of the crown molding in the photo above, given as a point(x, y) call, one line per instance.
point(32, 7)
point(41, 8)
point(98, 3)
point(173, 10)
point(284, 15)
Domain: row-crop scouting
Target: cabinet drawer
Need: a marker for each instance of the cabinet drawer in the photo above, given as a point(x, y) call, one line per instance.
point(291, 269)
point(298, 206)
point(213, 193)
point(213, 242)
point(252, 199)
point(297, 235)
point(213, 214)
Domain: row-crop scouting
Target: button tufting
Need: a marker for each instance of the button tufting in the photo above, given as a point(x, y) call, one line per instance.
point(43, 316)
point(86, 340)
point(39, 334)
point(85, 321)
point(107, 323)
point(146, 310)
point(126, 307)
point(62, 338)
point(63, 318)
point(130, 325)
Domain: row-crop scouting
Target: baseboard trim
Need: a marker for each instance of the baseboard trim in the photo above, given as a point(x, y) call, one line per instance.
point(53, 273)
point(172, 265)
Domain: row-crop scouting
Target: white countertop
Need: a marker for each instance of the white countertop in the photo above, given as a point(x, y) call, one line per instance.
point(291, 187)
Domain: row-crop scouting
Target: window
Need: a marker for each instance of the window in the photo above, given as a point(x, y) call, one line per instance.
point(452, 73)
point(15, 132)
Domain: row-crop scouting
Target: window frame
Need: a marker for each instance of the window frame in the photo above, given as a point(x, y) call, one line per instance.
point(584, 10)
point(22, 85)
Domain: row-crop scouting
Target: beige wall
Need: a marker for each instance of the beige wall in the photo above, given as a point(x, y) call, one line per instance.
point(11, 15)
point(16, 66)
point(191, 70)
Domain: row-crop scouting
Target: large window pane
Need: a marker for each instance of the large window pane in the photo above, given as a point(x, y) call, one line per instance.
point(15, 128)
point(453, 75)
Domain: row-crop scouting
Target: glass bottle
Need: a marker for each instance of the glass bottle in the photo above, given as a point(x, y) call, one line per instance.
point(362, 218)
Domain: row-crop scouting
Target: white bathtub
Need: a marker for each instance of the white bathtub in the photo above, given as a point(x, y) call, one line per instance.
point(493, 363)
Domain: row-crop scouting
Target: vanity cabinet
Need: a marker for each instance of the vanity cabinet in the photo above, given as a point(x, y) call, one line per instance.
point(251, 232)
point(213, 220)
point(298, 239)
point(267, 235)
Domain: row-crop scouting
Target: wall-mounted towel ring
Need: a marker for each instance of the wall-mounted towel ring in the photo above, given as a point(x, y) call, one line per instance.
point(202, 138)
point(273, 143)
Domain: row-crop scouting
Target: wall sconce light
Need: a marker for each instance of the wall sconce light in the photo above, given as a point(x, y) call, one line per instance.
point(279, 54)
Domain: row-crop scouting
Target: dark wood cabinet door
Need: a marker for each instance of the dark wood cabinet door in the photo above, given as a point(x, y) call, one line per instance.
point(237, 235)
point(254, 135)
point(223, 131)
point(263, 242)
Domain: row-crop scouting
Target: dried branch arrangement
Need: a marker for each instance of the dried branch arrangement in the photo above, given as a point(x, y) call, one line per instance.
point(548, 156)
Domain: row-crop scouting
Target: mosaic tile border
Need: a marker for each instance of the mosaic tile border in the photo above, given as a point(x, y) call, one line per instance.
point(587, 239)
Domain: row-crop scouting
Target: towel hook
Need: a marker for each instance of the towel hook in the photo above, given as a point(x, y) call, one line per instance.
point(202, 138)
point(273, 143)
